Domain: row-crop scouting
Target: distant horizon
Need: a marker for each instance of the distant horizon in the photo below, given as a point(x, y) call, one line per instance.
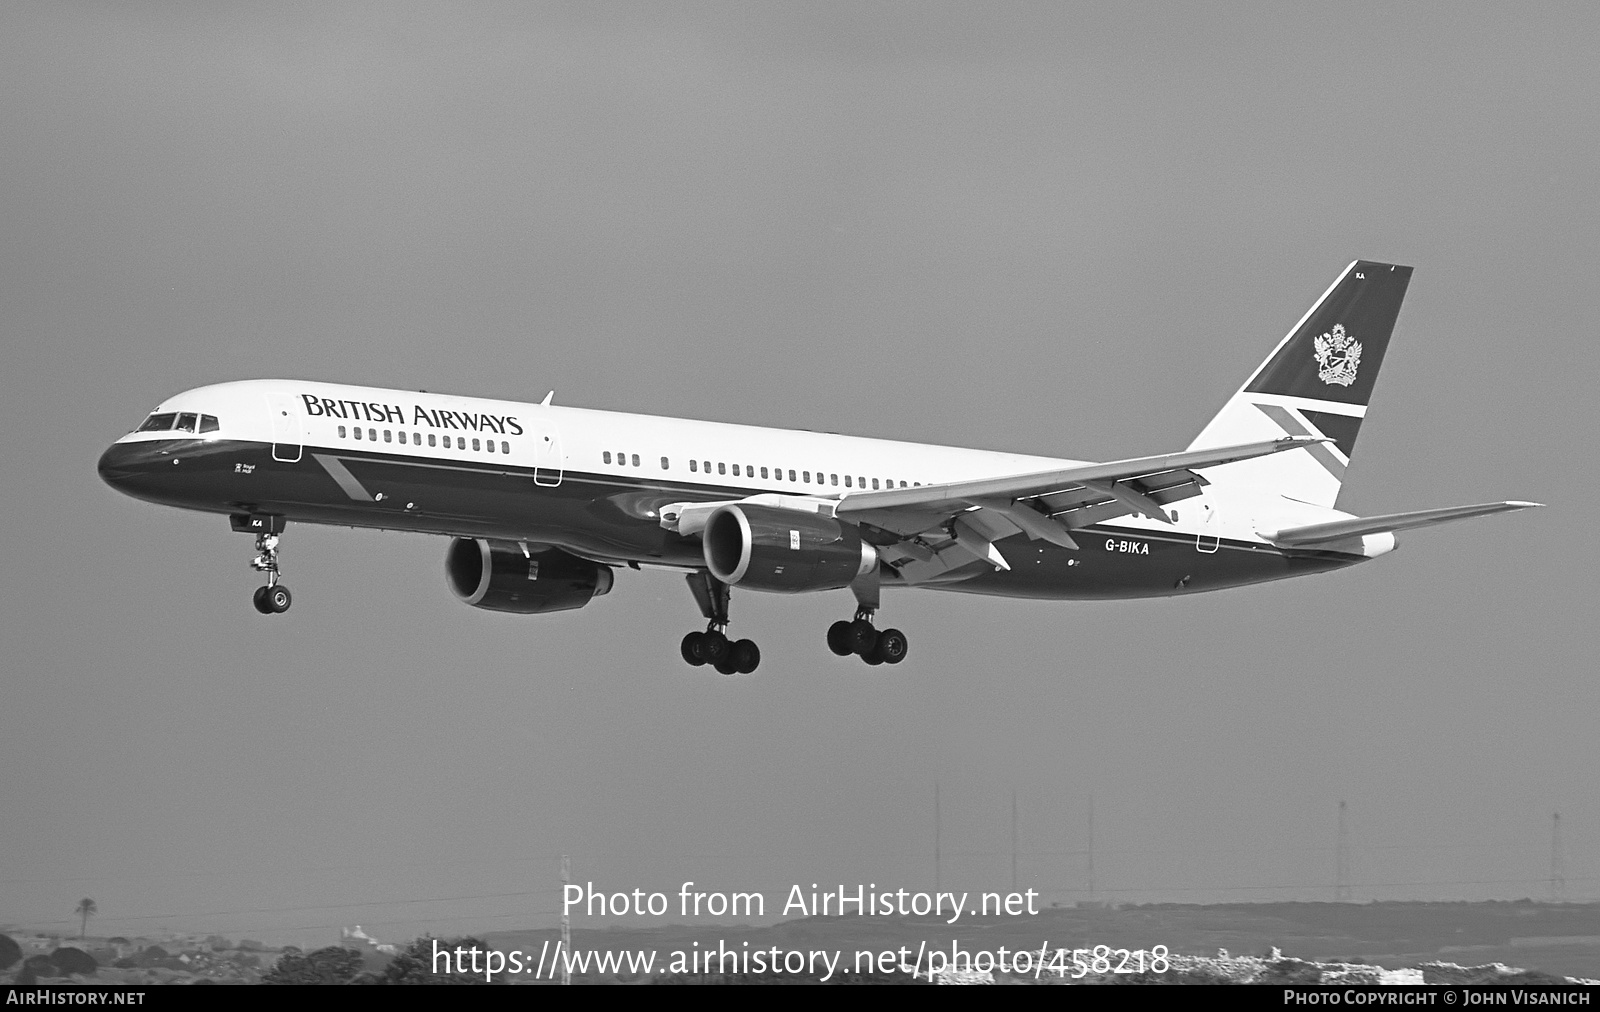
point(644, 924)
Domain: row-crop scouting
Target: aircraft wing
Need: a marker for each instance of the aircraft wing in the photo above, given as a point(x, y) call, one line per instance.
point(1317, 534)
point(928, 530)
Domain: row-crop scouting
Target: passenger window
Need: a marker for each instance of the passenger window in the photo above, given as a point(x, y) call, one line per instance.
point(636, 460)
point(835, 478)
point(402, 436)
point(505, 447)
point(860, 482)
point(461, 442)
point(431, 438)
point(372, 434)
point(874, 484)
point(388, 437)
point(606, 457)
point(186, 422)
point(847, 481)
point(791, 476)
point(416, 437)
point(474, 444)
point(736, 470)
point(358, 432)
point(341, 432)
point(722, 468)
point(694, 465)
point(708, 467)
point(622, 458)
point(157, 423)
point(208, 423)
point(488, 444)
point(807, 477)
point(664, 465)
point(763, 472)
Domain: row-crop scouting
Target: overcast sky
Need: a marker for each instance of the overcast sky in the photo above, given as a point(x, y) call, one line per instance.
point(1057, 229)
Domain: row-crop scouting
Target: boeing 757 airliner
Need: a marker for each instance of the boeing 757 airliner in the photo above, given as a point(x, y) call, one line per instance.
point(544, 502)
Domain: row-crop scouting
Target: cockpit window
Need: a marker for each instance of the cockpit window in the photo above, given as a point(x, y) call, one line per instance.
point(157, 423)
point(208, 423)
point(186, 422)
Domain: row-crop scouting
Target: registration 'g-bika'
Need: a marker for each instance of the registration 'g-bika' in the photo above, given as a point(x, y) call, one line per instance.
point(543, 502)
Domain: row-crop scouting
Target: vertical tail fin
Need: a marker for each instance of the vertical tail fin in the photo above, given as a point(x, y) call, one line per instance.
point(1316, 382)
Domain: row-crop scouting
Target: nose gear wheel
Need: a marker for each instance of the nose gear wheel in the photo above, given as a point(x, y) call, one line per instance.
point(274, 598)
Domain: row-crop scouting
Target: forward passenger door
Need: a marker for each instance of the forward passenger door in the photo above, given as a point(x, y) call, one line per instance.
point(286, 427)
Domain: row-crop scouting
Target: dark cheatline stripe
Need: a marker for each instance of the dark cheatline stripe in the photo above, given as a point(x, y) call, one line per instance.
point(1341, 428)
point(341, 474)
point(1319, 451)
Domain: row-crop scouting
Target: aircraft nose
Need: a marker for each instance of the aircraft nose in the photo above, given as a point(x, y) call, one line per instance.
point(115, 465)
point(127, 467)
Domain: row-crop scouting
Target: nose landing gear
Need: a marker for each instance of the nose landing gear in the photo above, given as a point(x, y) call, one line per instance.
point(274, 598)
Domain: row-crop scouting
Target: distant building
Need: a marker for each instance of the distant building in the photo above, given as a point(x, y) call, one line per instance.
point(355, 938)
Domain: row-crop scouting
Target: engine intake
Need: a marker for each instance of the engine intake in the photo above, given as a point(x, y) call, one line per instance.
point(496, 575)
point(786, 551)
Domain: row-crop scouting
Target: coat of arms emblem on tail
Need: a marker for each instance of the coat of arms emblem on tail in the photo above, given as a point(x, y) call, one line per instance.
point(1338, 356)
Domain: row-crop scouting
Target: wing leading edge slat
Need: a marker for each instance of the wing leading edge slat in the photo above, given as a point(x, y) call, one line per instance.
point(959, 495)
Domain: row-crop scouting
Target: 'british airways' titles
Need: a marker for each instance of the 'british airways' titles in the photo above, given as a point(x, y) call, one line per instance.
point(436, 418)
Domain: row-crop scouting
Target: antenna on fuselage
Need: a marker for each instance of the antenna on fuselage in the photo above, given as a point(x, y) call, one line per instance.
point(546, 402)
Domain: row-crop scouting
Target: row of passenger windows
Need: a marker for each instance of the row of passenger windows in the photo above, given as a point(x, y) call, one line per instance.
point(179, 421)
point(487, 445)
point(850, 481)
point(770, 474)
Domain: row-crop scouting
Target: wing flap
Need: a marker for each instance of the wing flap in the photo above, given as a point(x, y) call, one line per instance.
point(1316, 534)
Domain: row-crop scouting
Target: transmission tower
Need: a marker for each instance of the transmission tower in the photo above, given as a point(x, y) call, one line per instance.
point(1341, 860)
point(1013, 839)
point(566, 921)
point(1558, 861)
point(1091, 848)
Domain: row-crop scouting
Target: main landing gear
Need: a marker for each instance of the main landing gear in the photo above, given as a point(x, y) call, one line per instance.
point(729, 657)
point(274, 598)
point(858, 636)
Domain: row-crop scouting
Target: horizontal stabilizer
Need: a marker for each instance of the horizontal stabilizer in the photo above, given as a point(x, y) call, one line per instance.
point(1316, 534)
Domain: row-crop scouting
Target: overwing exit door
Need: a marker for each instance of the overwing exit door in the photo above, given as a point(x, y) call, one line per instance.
point(547, 462)
point(1207, 540)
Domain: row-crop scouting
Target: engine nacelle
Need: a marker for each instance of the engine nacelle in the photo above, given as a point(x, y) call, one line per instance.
point(496, 575)
point(787, 551)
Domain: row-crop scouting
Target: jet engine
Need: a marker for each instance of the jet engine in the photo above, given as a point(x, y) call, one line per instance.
point(786, 551)
point(500, 576)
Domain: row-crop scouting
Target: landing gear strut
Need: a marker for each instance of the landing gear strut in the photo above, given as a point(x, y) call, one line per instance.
point(730, 657)
point(859, 636)
point(274, 598)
